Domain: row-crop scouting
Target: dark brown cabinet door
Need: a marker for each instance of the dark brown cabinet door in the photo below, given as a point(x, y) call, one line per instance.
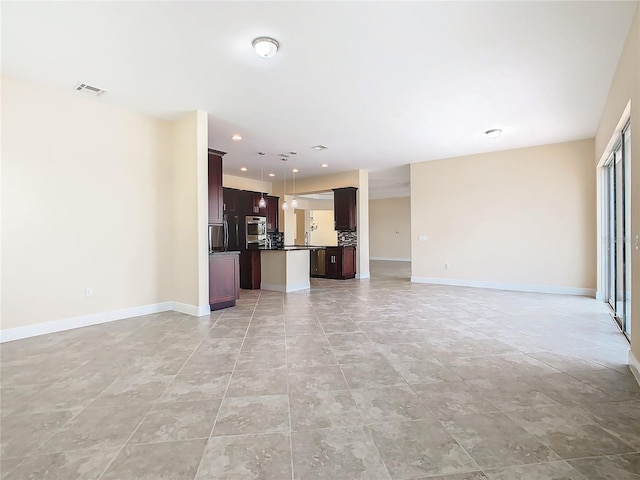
point(348, 262)
point(272, 213)
point(341, 262)
point(334, 262)
point(224, 280)
point(216, 215)
point(250, 273)
point(344, 208)
point(249, 202)
point(230, 200)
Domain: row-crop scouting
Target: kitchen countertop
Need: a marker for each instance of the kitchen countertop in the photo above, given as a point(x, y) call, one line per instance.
point(297, 247)
point(223, 253)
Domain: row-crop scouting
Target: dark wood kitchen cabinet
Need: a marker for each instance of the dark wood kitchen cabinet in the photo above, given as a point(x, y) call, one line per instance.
point(272, 213)
point(216, 214)
point(344, 208)
point(250, 203)
point(340, 262)
point(224, 280)
point(250, 273)
point(230, 200)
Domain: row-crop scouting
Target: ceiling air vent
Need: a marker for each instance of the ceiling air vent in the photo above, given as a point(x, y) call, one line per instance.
point(83, 87)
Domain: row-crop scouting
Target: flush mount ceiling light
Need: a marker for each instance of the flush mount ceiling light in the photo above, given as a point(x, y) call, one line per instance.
point(272, 174)
point(236, 138)
point(243, 169)
point(324, 165)
point(266, 47)
point(493, 133)
point(320, 148)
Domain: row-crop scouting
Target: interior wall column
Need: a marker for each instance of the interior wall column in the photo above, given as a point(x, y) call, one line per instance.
point(362, 229)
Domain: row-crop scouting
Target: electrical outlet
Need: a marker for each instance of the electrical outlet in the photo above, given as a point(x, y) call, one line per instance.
point(423, 238)
point(447, 266)
point(88, 292)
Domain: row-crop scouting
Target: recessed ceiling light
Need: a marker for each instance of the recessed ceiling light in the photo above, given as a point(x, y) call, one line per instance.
point(261, 153)
point(236, 138)
point(244, 169)
point(266, 47)
point(293, 153)
point(272, 174)
point(320, 147)
point(493, 133)
point(324, 165)
point(295, 170)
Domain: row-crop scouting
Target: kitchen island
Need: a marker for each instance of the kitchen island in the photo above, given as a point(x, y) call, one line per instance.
point(285, 269)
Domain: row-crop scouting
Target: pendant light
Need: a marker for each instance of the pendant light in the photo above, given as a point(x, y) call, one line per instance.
point(262, 203)
point(284, 193)
point(294, 202)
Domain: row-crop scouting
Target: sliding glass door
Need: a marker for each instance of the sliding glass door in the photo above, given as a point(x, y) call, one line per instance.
point(617, 226)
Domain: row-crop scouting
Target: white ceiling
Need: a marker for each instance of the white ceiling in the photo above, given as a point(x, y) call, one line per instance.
point(382, 84)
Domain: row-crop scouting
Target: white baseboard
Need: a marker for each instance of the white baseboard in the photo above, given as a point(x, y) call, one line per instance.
point(584, 292)
point(634, 365)
point(191, 309)
point(362, 276)
point(391, 259)
point(274, 287)
point(600, 296)
point(27, 331)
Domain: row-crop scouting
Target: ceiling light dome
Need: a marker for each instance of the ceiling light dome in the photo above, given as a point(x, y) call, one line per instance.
point(266, 47)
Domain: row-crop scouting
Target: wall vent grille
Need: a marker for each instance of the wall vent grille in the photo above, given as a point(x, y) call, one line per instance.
point(83, 87)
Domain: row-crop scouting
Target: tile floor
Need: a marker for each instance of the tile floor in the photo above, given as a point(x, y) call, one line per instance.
point(374, 379)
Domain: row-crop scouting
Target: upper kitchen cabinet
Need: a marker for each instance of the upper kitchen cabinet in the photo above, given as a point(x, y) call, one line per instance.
point(272, 213)
point(230, 199)
point(250, 203)
point(344, 208)
point(216, 214)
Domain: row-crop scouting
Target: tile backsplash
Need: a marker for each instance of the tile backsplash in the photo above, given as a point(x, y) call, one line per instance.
point(275, 239)
point(347, 239)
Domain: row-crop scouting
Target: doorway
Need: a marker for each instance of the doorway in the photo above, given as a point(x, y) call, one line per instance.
point(617, 236)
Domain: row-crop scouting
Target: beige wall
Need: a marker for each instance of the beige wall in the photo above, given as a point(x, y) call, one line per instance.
point(624, 93)
point(325, 234)
point(362, 204)
point(523, 217)
point(390, 228)
point(300, 226)
point(321, 183)
point(98, 197)
point(86, 202)
point(190, 273)
point(242, 183)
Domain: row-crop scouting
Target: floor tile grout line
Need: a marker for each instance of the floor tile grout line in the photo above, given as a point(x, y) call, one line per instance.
point(224, 396)
point(504, 409)
point(286, 356)
point(152, 405)
point(154, 402)
point(354, 401)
